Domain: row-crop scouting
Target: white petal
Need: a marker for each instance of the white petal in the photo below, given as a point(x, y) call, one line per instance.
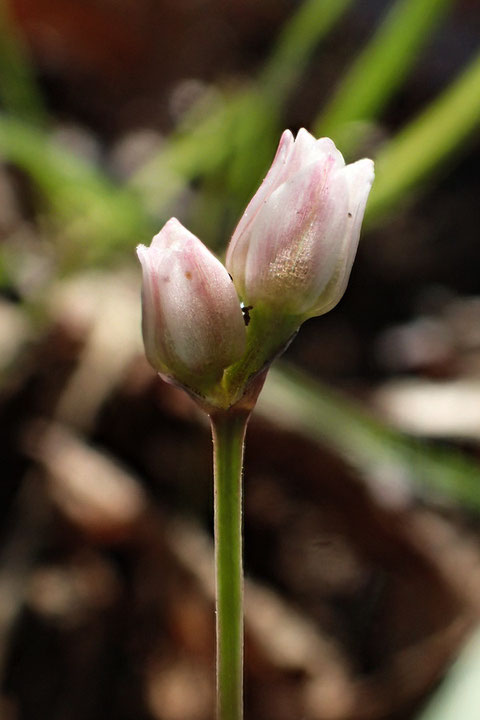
point(359, 177)
point(308, 150)
point(292, 251)
point(271, 181)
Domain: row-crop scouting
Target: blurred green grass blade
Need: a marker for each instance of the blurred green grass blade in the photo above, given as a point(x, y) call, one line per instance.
point(458, 697)
point(19, 93)
point(295, 45)
point(203, 147)
point(95, 217)
point(252, 142)
point(293, 400)
point(426, 142)
point(234, 140)
point(378, 71)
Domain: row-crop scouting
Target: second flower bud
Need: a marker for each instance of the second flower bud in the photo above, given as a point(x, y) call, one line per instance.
point(193, 326)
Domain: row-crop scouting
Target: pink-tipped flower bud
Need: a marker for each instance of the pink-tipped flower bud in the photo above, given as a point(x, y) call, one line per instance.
point(294, 247)
point(192, 322)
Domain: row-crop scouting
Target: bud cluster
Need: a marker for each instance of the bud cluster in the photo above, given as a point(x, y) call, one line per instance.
point(213, 329)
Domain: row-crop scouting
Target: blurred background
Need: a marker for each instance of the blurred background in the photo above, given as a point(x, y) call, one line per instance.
point(362, 482)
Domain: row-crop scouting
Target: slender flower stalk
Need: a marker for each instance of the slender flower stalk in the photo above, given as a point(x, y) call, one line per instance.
point(228, 433)
point(215, 333)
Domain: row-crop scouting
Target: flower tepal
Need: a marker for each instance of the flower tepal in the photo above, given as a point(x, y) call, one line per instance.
point(192, 322)
point(294, 247)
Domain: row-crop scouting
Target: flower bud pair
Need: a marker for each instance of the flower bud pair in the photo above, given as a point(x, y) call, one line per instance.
point(289, 258)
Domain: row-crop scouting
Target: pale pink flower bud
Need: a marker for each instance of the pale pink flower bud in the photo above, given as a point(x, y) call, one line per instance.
point(192, 322)
point(294, 247)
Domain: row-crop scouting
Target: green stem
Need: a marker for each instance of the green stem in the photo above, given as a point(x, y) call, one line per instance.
point(228, 432)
